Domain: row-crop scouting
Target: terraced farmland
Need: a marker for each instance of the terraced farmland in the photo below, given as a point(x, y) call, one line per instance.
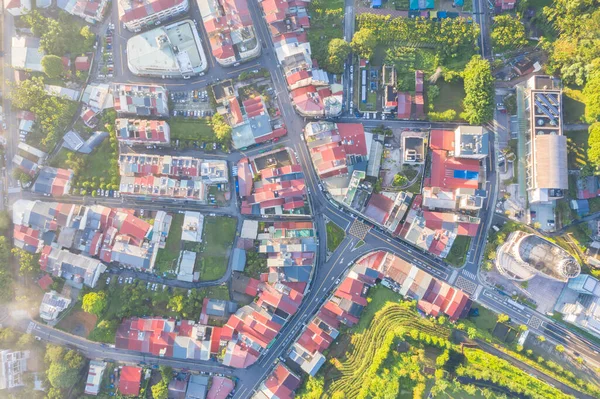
point(371, 347)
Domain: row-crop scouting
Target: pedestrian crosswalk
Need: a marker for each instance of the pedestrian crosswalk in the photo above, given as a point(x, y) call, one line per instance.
point(469, 275)
point(359, 229)
point(535, 322)
point(467, 286)
point(30, 327)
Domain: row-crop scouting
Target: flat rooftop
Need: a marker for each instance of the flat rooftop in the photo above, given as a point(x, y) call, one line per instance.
point(173, 50)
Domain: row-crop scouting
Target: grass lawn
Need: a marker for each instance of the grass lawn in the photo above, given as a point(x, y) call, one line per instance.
point(577, 145)
point(191, 129)
point(218, 236)
point(335, 235)
point(486, 320)
point(97, 164)
point(451, 97)
point(573, 105)
point(458, 252)
point(167, 256)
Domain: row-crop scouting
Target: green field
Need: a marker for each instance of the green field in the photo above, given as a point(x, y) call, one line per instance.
point(191, 129)
point(451, 97)
point(335, 236)
point(458, 252)
point(166, 259)
point(218, 237)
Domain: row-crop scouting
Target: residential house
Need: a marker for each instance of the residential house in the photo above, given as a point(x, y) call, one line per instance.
point(142, 132)
point(141, 100)
point(94, 378)
point(280, 384)
point(230, 30)
point(53, 181)
point(130, 379)
point(26, 53)
point(52, 304)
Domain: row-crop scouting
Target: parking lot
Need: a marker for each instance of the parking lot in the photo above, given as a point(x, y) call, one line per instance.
point(191, 104)
point(106, 65)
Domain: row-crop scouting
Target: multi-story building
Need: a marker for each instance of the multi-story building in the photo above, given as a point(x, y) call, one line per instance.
point(12, 366)
point(230, 31)
point(138, 14)
point(539, 106)
point(142, 131)
point(140, 100)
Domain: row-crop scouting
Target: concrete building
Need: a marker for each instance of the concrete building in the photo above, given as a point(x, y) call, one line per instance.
point(139, 14)
point(525, 255)
point(173, 51)
point(94, 379)
point(12, 366)
point(142, 132)
point(193, 223)
point(52, 304)
point(230, 31)
point(77, 269)
point(26, 54)
point(91, 11)
point(140, 100)
point(471, 142)
point(540, 117)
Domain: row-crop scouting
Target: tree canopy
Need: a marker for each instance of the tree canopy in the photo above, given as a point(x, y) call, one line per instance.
point(364, 42)
point(479, 91)
point(94, 302)
point(52, 66)
point(160, 390)
point(593, 152)
point(591, 93)
point(337, 51)
point(28, 263)
point(62, 35)
point(221, 128)
point(508, 33)
point(52, 113)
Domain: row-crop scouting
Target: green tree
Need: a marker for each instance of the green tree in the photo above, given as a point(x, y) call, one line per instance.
point(593, 152)
point(54, 393)
point(591, 93)
point(479, 92)
point(472, 332)
point(52, 66)
point(541, 338)
point(94, 302)
point(364, 42)
point(559, 348)
point(167, 373)
point(5, 222)
point(503, 318)
point(160, 390)
point(25, 341)
point(338, 51)
point(61, 376)
point(54, 353)
point(313, 388)
point(176, 303)
point(221, 129)
point(399, 180)
point(508, 33)
point(28, 263)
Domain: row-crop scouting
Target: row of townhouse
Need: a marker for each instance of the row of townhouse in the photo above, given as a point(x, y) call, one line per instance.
point(279, 190)
point(311, 90)
point(76, 241)
point(178, 177)
point(136, 15)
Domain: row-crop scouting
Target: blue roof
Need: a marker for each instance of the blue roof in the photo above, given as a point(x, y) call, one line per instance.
point(376, 3)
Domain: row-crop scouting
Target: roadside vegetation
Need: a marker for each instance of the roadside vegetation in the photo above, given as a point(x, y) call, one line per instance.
point(458, 253)
point(335, 236)
point(326, 34)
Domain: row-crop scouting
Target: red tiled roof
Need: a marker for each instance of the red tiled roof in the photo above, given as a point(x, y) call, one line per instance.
point(129, 380)
point(135, 227)
point(282, 383)
point(236, 111)
point(379, 208)
point(353, 138)
point(45, 282)
point(404, 106)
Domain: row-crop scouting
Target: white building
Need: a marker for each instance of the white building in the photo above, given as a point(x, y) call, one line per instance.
point(193, 224)
point(173, 51)
point(26, 54)
point(52, 304)
point(136, 15)
point(94, 379)
point(12, 366)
